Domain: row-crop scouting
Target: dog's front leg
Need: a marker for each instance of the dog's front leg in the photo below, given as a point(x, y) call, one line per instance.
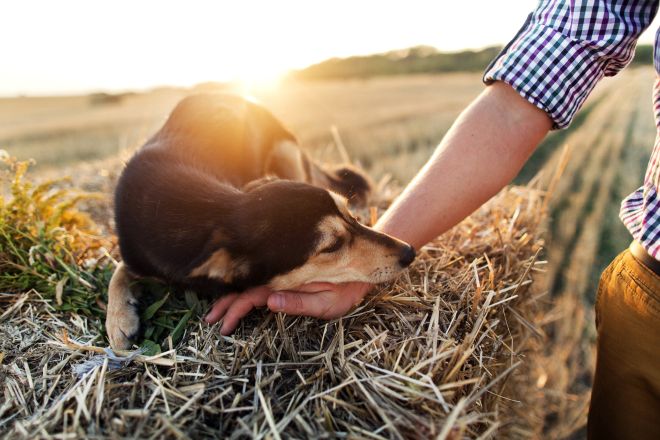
point(122, 322)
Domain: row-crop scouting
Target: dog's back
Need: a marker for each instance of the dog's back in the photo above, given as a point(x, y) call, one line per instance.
point(224, 135)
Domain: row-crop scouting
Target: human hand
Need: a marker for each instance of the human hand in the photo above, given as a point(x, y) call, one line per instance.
point(319, 300)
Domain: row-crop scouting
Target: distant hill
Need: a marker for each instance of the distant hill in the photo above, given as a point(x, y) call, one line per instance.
point(420, 59)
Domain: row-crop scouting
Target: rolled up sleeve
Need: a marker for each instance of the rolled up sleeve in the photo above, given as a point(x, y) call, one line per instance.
point(566, 47)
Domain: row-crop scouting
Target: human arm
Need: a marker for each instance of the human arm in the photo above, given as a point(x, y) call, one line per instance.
point(553, 63)
point(481, 153)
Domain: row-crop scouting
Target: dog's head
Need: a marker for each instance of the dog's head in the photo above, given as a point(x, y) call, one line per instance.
point(293, 233)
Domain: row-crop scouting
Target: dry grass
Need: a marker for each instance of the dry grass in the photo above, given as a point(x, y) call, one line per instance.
point(433, 354)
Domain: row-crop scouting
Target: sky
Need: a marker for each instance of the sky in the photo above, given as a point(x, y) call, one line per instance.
point(61, 47)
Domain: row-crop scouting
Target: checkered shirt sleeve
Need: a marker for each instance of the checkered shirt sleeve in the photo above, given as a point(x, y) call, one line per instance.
point(565, 47)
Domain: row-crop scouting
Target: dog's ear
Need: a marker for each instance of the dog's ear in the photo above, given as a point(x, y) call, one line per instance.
point(351, 182)
point(251, 186)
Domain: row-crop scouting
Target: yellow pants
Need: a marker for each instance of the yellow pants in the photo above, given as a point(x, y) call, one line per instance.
point(625, 401)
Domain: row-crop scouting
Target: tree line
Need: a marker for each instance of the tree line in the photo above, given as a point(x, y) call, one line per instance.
point(420, 59)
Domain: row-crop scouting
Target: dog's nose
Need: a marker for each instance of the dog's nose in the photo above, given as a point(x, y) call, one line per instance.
point(407, 256)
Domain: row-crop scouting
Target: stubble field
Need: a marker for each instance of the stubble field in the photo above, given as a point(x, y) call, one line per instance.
point(390, 126)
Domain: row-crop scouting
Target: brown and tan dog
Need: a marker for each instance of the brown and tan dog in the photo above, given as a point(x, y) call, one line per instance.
point(222, 199)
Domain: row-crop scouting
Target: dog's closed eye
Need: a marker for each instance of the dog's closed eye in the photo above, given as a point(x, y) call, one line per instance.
point(336, 244)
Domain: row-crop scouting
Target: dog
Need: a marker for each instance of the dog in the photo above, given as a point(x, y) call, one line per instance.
point(222, 198)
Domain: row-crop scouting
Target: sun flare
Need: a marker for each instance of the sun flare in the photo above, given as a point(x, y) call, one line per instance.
point(261, 78)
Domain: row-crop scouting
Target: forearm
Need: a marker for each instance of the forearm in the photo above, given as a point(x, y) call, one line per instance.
point(481, 153)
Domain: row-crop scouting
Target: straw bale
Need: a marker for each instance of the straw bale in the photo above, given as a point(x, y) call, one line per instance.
point(434, 354)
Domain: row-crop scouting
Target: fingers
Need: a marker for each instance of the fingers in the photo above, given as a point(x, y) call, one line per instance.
point(235, 306)
point(241, 306)
point(219, 308)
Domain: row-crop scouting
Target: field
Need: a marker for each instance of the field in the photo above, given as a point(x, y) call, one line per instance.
point(390, 126)
point(379, 120)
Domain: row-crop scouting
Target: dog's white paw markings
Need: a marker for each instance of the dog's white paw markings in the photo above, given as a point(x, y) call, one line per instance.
point(123, 324)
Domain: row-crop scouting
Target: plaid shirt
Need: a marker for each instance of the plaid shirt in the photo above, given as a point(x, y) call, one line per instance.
point(562, 51)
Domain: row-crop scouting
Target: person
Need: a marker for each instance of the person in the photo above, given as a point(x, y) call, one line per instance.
point(537, 83)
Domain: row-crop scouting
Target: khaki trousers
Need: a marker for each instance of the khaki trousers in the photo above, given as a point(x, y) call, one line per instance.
point(625, 401)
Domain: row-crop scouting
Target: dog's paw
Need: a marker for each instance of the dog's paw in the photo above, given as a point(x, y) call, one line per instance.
point(122, 324)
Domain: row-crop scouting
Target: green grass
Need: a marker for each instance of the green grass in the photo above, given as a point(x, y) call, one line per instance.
point(49, 247)
point(46, 244)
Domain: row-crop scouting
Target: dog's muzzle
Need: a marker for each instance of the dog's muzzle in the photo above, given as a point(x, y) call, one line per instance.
point(406, 256)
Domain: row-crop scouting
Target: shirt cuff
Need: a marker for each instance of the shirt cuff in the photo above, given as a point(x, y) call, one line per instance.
point(552, 71)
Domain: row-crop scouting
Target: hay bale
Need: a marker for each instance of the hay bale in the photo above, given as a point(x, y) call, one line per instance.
point(432, 354)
